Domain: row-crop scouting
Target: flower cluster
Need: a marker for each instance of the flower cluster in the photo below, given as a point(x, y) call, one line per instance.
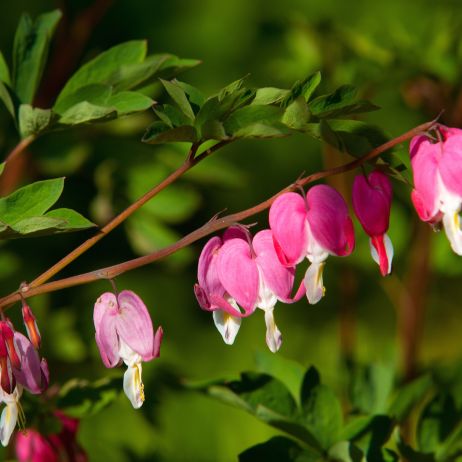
point(237, 274)
point(20, 368)
point(124, 333)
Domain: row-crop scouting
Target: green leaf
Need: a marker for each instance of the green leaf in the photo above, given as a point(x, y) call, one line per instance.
point(296, 114)
point(304, 89)
point(4, 71)
point(80, 398)
point(33, 121)
point(105, 67)
point(370, 387)
point(256, 121)
point(5, 96)
point(278, 449)
point(85, 112)
point(171, 115)
point(95, 93)
point(451, 449)
point(179, 96)
point(195, 96)
point(159, 132)
point(340, 103)
point(345, 451)
point(175, 65)
point(270, 95)
point(127, 102)
point(34, 225)
point(289, 372)
point(351, 136)
point(233, 87)
point(71, 220)
point(410, 454)
point(322, 413)
point(409, 396)
point(30, 51)
point(30, 201)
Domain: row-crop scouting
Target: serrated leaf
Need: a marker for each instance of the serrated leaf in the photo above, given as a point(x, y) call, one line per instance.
point(85, 112)
point(231, 88)
point(160, 132)
point(127, 102)
point(95, 93)
point(33, 121)
point(340, 103)
point(5, 96)
point(104, 68)
point(30, 51)
point(179, 96)
point(4, 71)
point(408, 396)
point(303, 89)
point(30, 201)
point(79, 398)
point(321, 410)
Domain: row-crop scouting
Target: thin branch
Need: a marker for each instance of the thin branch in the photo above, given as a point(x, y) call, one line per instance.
point(208, 228)
point(19, 148)
point(116, 221)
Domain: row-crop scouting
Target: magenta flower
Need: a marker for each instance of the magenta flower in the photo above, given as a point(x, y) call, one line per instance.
point(313, 227)
point(124, 332)
point(237, 274)
point(437, 169)
point(372, 197)
point(31, 325)
point(31, 446)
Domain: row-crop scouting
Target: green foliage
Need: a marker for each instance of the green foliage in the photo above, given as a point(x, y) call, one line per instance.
point(79, 398)
point(30, 51)
point(319, 424)
point(25, 212)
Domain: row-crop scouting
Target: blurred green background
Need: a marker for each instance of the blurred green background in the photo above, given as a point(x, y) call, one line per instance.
point(404, 56)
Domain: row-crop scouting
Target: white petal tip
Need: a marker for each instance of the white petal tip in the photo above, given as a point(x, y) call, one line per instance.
point(227, 325)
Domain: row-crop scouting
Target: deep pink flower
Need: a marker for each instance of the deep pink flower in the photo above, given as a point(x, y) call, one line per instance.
point(31, 446)
point(437, 170)
point(31, 325)
point(124, 332)
point(237, 273)
point(311, 227)
point(372, 197)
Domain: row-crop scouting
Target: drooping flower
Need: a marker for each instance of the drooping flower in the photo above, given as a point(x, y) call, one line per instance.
point(437, 170)
point(244, 274)
point(124, 332)
point(372, 196)
point(313, 227)
point(31, 446)
point(210, 292)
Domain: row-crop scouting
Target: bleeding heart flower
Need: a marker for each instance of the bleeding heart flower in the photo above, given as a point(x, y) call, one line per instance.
point(371, 198)
point(313, 227)
point(124, 332)
point(437, 169)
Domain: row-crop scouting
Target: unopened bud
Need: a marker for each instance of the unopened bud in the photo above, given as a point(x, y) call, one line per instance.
point(31, 326)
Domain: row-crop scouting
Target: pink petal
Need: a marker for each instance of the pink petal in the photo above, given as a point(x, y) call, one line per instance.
point(235, 232)
point(104, 318)
point(424, 159)
point(238, 273)
point(382, 253)
point(287, 218)
point(30, 375)
point(329, 221)
point(134, 325)
point(372, 202)
point(278, 278)
point(157, 341)
point(31, 446)
point(207, 275)
point(450, 165)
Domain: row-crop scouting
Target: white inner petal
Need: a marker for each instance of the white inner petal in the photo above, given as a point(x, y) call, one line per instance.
point(227, 325)
point(314, 252)
point(314, 285)
point(129, 356)
point(266, 297)
point(273, 334)
point(133, 385)
point(388, 248)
